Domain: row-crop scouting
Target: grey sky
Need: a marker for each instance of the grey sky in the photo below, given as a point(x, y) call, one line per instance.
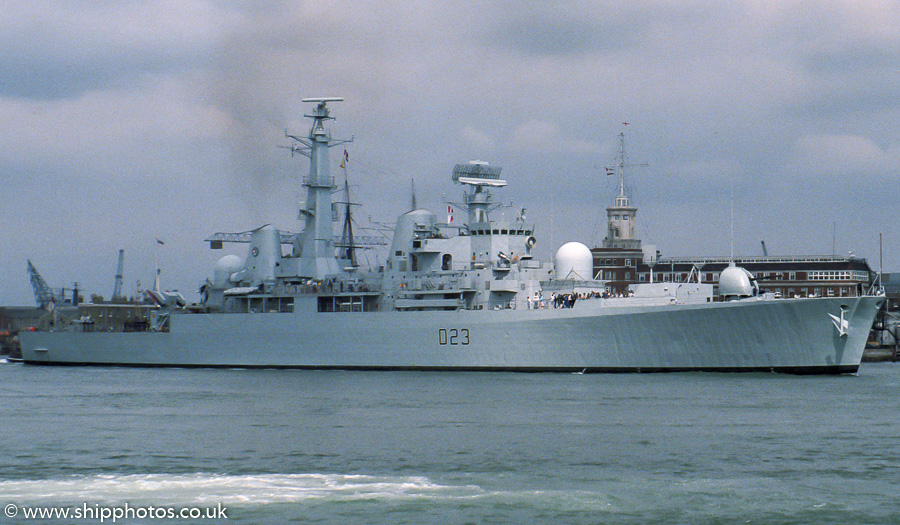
point(131, 120)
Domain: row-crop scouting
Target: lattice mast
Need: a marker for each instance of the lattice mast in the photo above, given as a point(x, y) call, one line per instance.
point(619, 170)
point(117, 285)
point(43, 295)
point(347, 245)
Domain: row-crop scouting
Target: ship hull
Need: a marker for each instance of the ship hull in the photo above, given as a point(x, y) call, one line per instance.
point(808, 336)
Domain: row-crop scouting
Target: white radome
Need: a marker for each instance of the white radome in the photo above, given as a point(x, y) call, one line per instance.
point(225, 268)
point(574, 261)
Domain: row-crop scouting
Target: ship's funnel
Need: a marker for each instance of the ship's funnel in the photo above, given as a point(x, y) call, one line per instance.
point(265, 252)
point(410, 226)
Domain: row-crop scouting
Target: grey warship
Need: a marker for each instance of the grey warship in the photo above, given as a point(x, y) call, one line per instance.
point(470, 298)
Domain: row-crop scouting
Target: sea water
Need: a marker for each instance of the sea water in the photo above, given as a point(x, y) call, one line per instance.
point(277, 446)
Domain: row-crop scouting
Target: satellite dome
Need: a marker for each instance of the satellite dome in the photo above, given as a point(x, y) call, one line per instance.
point(225, 268)
point(574, 261)
point(736, 282)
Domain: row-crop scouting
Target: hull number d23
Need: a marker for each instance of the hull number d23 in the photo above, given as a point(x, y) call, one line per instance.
point(453, 336)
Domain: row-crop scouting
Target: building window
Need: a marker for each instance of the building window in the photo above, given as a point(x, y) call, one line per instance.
point(830, 275)
point(792, 276)
point(627, 276)
point(628, 262)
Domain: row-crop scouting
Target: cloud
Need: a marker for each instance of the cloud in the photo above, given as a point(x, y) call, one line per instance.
point(843, 155)
point(476, 139)
point(93, 135)
point(538, 136)
point(52, 50)
point(578, 27)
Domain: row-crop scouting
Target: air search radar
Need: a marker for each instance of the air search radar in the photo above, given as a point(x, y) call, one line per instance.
point(478, 173)
point(321, 112)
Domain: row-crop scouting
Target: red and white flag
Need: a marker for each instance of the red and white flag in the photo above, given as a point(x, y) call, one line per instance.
point(449, 214)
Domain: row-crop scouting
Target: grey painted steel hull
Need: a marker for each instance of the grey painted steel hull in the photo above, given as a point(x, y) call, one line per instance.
point(778, 335)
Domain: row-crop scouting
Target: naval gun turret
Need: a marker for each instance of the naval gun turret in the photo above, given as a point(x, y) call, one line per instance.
point(736, 282)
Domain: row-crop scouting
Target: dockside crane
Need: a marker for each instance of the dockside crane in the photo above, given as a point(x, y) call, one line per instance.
point(43, 295)
point(117, 286)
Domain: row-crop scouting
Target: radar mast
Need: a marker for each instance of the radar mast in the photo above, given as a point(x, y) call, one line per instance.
point(316, 244)
point(480, 176)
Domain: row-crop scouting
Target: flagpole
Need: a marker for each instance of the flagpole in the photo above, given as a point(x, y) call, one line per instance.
point(156, 262)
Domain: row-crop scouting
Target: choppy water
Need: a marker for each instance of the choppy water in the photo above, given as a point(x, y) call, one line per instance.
point(401, 447)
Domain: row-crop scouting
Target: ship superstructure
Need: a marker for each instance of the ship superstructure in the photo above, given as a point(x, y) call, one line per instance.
point(483, 264)
point(488, 265)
